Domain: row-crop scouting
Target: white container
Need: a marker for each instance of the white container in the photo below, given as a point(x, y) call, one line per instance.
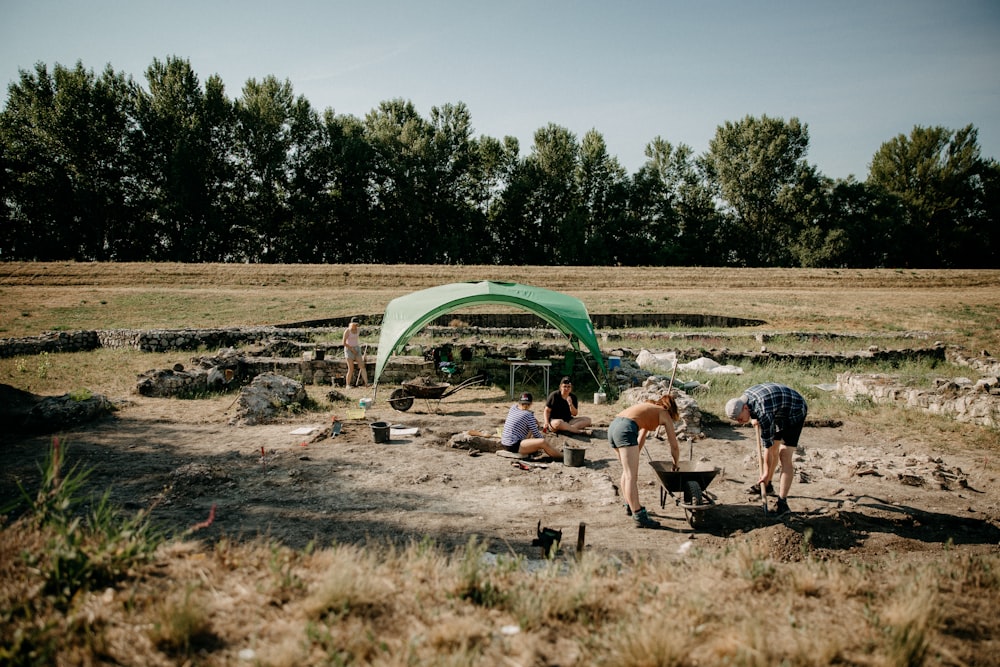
point(365, 403)
point(600, 398)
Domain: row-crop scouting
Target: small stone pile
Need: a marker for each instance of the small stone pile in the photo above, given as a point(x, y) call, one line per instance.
point(213, 373)
point(266, 397)
point(907, 469)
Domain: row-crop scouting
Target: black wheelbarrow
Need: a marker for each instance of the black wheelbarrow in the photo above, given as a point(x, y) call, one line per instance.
point(690, 482)
point(402, 399)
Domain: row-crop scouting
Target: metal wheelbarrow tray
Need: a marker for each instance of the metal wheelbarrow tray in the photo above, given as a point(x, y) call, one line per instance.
point(402, 399)
point(690, 481)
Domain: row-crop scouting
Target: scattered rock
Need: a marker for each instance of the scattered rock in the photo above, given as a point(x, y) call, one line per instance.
point(266, 397)
point(24, 412)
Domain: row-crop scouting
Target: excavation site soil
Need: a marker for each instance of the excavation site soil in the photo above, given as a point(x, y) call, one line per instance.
point(856, 495)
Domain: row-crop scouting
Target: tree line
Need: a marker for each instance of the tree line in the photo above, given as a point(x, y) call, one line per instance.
point(101, 168)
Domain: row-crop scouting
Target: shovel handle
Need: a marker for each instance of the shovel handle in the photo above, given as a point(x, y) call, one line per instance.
point(760, 461)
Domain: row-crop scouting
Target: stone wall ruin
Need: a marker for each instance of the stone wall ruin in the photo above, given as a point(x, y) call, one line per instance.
point(958, 398)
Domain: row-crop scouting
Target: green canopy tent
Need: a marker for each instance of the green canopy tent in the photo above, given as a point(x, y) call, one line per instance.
point(407, 315)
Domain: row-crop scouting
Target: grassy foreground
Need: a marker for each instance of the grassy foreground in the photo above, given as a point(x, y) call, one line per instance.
point(103, 589)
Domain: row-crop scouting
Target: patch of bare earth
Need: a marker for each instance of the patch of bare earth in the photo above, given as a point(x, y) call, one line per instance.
point(855, 495)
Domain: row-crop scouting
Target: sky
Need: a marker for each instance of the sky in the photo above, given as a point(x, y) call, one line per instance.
point(857, 72)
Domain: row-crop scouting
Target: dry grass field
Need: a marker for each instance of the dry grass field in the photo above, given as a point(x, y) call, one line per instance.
point(224, 545)
point(37, 297)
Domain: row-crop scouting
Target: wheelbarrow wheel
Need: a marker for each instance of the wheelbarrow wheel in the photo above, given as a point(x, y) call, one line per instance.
point(693, 492)
point(401, 400)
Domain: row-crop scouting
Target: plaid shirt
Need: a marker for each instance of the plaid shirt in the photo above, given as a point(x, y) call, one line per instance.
point(774, 405)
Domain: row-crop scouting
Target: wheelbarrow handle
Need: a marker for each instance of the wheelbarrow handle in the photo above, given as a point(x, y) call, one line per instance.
point(478, 379)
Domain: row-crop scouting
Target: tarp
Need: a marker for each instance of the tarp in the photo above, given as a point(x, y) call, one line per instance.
point(407, 315)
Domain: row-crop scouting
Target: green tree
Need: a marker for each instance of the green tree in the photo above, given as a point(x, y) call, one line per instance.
point(674, 219)
point(492, 174)
point(278, 194)
point(428, 185)
point(343, 164)
point(543, 204)
point(845, 223)
point(604, 197)
point(987, 253)
point(942, 181)
point(400, 139)
point(181, 163)
point(455, 188)
point(753, 161)
point(64, 139)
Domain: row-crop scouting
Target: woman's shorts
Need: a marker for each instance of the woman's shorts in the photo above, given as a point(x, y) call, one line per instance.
point(351, 354)
point(513, 449)
point(623, 432)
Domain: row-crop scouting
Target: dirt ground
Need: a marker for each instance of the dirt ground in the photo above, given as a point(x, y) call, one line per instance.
point(856, 495)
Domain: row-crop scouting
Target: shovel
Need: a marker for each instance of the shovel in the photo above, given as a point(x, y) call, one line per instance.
point(760, 460)
point(335, 429)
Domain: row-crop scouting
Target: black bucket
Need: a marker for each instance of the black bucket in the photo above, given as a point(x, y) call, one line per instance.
point(573, 456)
point(380, 431)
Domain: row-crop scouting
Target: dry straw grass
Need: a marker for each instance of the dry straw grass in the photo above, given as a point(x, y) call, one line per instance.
point(261, 603)
point(65, 296)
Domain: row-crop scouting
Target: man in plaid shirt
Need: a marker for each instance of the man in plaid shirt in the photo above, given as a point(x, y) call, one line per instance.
point(779, 412)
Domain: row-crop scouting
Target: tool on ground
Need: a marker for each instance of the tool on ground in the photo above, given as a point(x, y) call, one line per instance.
point(548, 539)
point(763, 468)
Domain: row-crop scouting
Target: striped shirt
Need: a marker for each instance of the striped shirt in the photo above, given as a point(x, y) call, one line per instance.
point(518, 425)
point(774, 405)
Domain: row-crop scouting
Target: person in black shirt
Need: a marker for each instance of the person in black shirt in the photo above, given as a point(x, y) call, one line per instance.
point(562, 411)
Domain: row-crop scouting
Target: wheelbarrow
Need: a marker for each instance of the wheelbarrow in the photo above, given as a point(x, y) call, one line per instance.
point(690, 481)
point(402, 399)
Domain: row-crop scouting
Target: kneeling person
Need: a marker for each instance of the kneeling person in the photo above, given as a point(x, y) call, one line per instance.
point(519, 425)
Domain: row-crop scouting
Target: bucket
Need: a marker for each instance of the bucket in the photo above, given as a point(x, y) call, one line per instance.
point(600, 398)
point(319, 354)
point(614, 362)
point(573, 456)
point(380, 431)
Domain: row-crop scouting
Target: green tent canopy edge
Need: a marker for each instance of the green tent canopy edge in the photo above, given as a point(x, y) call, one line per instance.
point(408, 314)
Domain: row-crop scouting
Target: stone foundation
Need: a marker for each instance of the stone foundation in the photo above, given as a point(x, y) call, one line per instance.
point(958, 398)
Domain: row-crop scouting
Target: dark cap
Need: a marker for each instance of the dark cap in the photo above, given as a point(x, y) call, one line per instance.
point(526, 398)
point(566, 380)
